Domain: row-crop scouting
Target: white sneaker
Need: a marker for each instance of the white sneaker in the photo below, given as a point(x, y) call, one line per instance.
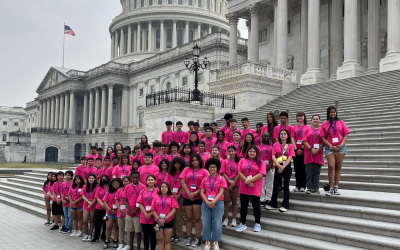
point(336, 190)
point(74, 233)
point(302, 190)
point(233, 224)
point(207, 246)
point(282, 209)
point(120, 247)
point(215, 245)
point(330, 192)
point(85, 238)
point(225, 223)
point(268, 207)
point(296, 189)
point(127, 247)
point(78, 233)
point(52, 224)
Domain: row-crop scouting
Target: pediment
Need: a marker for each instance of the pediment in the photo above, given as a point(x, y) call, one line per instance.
point(53, 77)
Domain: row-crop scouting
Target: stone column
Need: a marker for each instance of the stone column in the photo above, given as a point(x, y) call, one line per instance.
point(248, 25)
point(44, 112)
point(162, 38)
point(124, 108)
point(351, 66)
point(336, 37)
point(233, 19)
point(187, 32)
point(39, 121)
point(275, 31)
point(61, 122)
point(72, 113)
point(281, 27)
point(116, 44)
point(90, 109)
point(150, 39)
point(103, 106)
point(52, 113)
point(174, 34)
point(304, 36)
point(48, 120)
point(57, 112)
point(122, 43)
point(392, 59)
point(134, 106)
point(129, 45)
point(85, 111)
point(138, 37)
point(97, 109)
point(209, 29)
point(374, 37)
point(254, 10)
point(198, 30)
point(112, 45)
point(144, 39)
point(313, 74)
point(110, 105)
point(66, 111)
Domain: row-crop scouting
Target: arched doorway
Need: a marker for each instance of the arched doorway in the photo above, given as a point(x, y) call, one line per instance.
point(77, 152)
point(51, 154)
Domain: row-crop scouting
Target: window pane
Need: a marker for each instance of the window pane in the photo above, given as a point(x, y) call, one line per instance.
point(180, 37)
point(157, 38)
point(141, 40)
point(169, 38)
point(134, 3)
point(289, 27)
point(169, 1)
point(180, 1)
point(168, 85)
point(159, 1)
point(150, 2)
point(263, 35)
point(132, 42)
point(141, 116)
point(215, 6)
point(147, 39)
point(199, 3)
point(200, 76)
point(4, 137)
point(142, 3)
point(190, 2)
point(184, 81)
point(208, 4)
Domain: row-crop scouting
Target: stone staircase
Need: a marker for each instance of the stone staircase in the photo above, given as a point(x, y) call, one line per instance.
point(365, 216)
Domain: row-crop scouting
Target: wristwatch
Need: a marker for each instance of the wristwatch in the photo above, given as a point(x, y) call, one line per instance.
point(310, 148)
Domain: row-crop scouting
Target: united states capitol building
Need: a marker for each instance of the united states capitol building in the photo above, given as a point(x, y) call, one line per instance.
point(290, 43)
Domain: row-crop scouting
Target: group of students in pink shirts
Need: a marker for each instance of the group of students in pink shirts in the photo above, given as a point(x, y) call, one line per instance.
point(197, 176)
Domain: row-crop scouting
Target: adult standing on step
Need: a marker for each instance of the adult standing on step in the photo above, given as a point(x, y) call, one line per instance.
point(334, 133)
point(298, 135)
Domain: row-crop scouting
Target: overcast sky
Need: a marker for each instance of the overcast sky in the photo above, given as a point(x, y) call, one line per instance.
point(32, 41)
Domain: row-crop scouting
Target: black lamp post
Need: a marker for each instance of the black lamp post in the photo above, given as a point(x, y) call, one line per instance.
point(196, 66)
point(19, 134)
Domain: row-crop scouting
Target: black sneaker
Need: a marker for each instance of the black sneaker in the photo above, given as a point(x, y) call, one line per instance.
point(188, 241)
point(313, 191)
point(280, 188)
point(197, 242)
point(47, 223)
point(54, 228)
point(262, 203)
point(95, 241)
point(62, 229)
point(172, 238)
point(106, 244)
point(66, 230)
point(115, 243)
point(178, 240)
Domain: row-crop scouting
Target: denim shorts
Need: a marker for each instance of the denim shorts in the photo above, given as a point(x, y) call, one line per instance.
point(235, 187)
point(77, 209)
point(343, 150)
point(112, 217)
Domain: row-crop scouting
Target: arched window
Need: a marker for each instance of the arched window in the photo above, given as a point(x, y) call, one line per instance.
point(191, 35)
point(180, 37)
point(150, 2)
point(199, 3)
point(169, 1)
point(190, 2)
point(169, 38)
point(180, 1)
point(158, 39)
point(142, 3)
point(168, 85)
point(159, 2)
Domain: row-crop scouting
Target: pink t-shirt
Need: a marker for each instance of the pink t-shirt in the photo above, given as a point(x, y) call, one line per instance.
point(338, 130)
point(230, 168)
point(193, 180)
point(229, 134)
point(179, 137)
point(174, 182)
point(245, 132)
point(110, 199)
point(299, 134)
point(132, 194)
point(223, 146)
point(188, 136)
point(170, 157)
point(51, 194)
point(265, 129)
point(313, 138)
point(120, 199)
point(47, 189)
point(146, 171)
point(166, 137)
point(279, 149)
point(160, 178)
point(109, 172)
point(200, 134)
point(155, 154)
point(141, 159)
point(66, 186)
point(146, 198)
point(93, 156)
point(121, 172)
point(224, 128)
point(79, 170)
point(57, 188)
point(158, 159)
point(100, 193)
point(75, 194)
point(164, 205)
point(252, 168)
point(88, 171)
point(266, 154)
point(212, 186)
point(278, 129)
point(209, 143)
point(90, 197)
point(205, 156)
point(99, 173)
point(258, 138)
point(186, 159)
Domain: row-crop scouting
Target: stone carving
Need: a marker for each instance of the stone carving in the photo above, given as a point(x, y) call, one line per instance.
point(244, 85)
point(290, 62)
point(54, 78)
point(254, 8)
point(232, 17)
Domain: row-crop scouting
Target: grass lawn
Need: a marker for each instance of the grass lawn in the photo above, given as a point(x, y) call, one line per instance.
point(34, 165)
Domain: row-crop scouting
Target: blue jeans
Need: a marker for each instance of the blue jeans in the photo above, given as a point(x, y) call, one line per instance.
point(212, 218)
point(68, 217)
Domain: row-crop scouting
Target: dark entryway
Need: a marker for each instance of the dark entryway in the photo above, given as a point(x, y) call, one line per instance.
point(51, 154)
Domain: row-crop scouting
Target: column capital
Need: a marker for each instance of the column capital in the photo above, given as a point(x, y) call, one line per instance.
point(110, 85)
point(103, 87)
point(72, 90)
point(232, 17)
point(66, 92)
point(187, 22)
point(85, 93)
point(174, 21)
point(254, 9)
point(125, 87)
point(161, 20)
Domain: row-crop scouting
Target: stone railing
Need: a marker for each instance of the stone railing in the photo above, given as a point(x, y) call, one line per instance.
point(31, 104)
point(251, 68)
point(76, 73)
point(110, 67)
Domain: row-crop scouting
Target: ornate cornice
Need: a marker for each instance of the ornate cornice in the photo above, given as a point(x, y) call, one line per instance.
point(254, 9)
point(232, 17)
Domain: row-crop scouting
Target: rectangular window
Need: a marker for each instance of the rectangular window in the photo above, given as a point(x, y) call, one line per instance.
point(190, 2)
point(184, 81)
point(4, 137)
point(141, 116)
point(33, 119)
point(142, 3)
point(169, 1)
point(289, 27)
point(141, 92)
point(263, 35)
point(200, 77)
point(134, 1)
point(4, 123)
point(29, 120)
point(15, 123)
point(208, 4)
point(150, 2)
point(199, 3)
point(159, 2)
point(180, 1)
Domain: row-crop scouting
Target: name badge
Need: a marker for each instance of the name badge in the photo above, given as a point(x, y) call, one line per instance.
point(193, 186)
point(335, 139)
point(299, 142)
point(249, 176)
point(114, 206)
point(137, 204)
point(211, 197)
point(58, 196)
point(148, 208)
point(79, 190)
point(316, 145)
point(283, 163)
point(122, 176)
point(162, 216)
point(175, 190)
point(122, 206)
point(48, 192)
point(266, 162)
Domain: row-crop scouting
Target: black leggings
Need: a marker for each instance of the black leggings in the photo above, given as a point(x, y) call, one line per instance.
point(286, 174)
point(300, 171)
point(99, 223)
point(244, 203)
point(149, 232)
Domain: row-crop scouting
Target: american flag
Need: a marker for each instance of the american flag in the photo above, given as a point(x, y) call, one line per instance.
point(68, 30)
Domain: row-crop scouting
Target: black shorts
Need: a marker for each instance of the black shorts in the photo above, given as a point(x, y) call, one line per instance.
point(188, 202)
point(168, 225)
point(57, 209)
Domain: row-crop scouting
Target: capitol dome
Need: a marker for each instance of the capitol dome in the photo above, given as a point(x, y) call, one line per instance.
point(149, 27)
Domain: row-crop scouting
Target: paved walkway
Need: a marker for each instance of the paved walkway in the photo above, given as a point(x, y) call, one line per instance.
point(26, 231)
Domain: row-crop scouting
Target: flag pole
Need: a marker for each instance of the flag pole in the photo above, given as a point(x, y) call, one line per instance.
point(63, 45)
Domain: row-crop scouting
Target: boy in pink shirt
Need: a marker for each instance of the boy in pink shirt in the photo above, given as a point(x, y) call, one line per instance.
point(246, 130)
point(179, 136)
point(100, 155)
point(138, 152)
point(108, 168)
point(209, 139)
point(93, 152)
point(145, 149)
point(166, 136)
point(65, 201)
point(258, 134)
point(80, 168)
point(100, 170)
point(196, 127)
point(190, 125)
point(156, 149)
point(214, 127)
point(230, 130)
point(57, 209)
point(163, 155)
point(283, 118)
point(227, 118)
point(148, 168)
point(89, 170)
point(173, 147)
